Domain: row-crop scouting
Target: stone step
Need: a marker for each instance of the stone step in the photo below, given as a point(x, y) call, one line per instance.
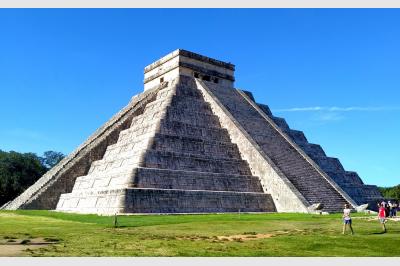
point(165, 178)
point(192, 106)
point(207, 132)
point(342, 178)
point(167, 143)
point(116, 163)
point(175, 104)
point(159, 103)
point(136, 143)
point(353, 177)
point(182, 103)
point(165, 93)
point(281, 122)
point(329, 164)
point(173, 114)
point(200, 140)
point(179, 90)
point(174, 143)
point(139, 200)
point(170, 160)
point(188, 90)
point(137, 130)
point(174, 128)
point(362, 193)
point(265, 108)
point(193, 118)
point(313, 150)
point(196, 201)
point(149, 115)
point(186, 161)
point(298, 137)
point(116, 178)
point(191, 180)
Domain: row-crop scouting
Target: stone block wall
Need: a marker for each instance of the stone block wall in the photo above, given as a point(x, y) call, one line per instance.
point(174, 158)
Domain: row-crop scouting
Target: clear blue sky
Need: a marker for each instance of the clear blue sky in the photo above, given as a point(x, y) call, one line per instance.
point(332, 73)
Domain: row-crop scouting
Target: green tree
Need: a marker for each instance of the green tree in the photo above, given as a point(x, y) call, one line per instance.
point(51, 158)
point(18, 171)
point(391, 192)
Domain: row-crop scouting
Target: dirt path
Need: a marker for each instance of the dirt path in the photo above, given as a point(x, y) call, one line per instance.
point(244, 237)
point(18, 247)
point(16, 250)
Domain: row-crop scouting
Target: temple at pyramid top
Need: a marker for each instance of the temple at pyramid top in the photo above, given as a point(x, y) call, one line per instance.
point(186, 63)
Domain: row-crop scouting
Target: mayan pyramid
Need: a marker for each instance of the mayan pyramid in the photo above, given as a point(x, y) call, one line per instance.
point(192, 143)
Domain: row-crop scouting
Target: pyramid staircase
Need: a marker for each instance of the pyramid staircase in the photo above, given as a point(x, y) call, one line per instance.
point(174, 158)
point(349, 181)
point(306, 177)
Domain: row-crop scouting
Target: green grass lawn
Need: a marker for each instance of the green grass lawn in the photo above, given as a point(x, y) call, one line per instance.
point(199, 235)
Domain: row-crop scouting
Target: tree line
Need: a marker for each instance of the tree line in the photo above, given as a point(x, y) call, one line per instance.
point(391, 192)
point(18, 171)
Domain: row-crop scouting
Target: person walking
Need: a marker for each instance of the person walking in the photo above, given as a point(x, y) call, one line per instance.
point(386, 206)
point(390, 204)
point(382, 217)
point(394, 209)
point(347, 219)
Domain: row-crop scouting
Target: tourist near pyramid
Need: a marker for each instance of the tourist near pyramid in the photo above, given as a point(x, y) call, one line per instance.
point(192, 143)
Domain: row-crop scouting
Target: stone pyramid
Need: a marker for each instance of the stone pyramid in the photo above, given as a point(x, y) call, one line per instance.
point(191, 143)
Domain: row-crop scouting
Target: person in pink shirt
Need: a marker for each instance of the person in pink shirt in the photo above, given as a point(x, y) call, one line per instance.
point(382, 217)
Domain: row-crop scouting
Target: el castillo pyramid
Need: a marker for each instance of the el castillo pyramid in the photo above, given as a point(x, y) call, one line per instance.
point(192, 143)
